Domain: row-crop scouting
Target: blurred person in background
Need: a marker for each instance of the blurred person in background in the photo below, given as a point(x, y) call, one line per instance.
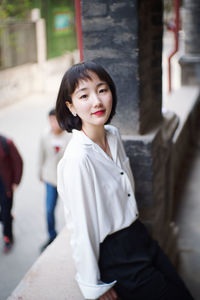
point(52, 145)
point(11, 167)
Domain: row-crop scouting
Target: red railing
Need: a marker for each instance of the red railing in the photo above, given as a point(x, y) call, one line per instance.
point(79, 27)
point(175, 29)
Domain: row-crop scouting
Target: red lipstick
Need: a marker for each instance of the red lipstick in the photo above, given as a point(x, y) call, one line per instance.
point(99, 112)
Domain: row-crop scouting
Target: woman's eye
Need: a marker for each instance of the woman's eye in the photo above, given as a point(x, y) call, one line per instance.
point(102, 90)
point(83, 96)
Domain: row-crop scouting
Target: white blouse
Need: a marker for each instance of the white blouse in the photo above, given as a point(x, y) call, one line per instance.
point(98, 196)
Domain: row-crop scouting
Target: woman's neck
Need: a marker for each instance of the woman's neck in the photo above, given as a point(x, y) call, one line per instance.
point(96, 134)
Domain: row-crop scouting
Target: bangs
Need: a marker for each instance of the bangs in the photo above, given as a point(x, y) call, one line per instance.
point(75, 77)
point(81, 72)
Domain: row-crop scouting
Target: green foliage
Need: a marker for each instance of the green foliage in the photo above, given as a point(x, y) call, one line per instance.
point(14, 9)
point(168, 6)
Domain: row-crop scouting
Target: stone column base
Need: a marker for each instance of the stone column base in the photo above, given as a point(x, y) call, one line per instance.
point(152, 165)
point(190, 70)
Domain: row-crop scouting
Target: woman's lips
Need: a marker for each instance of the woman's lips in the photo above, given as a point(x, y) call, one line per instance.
point(99, 112)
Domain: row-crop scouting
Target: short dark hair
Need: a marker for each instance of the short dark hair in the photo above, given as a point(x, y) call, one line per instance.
point(68, 85)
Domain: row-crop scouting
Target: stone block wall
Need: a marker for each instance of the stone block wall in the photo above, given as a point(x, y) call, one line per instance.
point(124, 37)
point(189, 135)
point(190, 61)
point(150, 63)
point(152, 166)
point(190, 70)
point(110, 38)
point(191, 26)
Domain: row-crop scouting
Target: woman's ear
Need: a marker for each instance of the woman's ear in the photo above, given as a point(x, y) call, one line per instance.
point(70, 107)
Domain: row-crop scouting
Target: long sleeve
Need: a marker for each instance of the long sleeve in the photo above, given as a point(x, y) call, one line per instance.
point(16, 163)
point(76, 187)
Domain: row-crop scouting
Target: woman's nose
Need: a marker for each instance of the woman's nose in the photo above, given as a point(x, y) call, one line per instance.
point(97, 100)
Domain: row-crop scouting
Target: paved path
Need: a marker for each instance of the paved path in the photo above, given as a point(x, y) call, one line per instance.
point(24, 122)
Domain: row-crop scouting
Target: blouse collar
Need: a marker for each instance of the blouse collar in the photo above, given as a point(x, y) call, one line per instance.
point(85, 140)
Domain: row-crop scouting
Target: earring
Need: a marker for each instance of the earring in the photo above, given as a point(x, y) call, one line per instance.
point(74, 114)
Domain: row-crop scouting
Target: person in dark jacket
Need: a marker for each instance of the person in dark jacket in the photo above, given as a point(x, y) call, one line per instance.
point(11, 167)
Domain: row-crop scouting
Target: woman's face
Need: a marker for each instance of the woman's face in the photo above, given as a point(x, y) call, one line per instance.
point(92, 102)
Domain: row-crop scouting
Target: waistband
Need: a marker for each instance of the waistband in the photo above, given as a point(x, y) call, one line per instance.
point(124, 231)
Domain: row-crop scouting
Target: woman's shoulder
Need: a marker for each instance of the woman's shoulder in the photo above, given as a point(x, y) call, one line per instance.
point(112, 129)
point(75, 156)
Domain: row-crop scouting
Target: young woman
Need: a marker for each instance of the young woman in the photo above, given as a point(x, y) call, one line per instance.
point(113, 253)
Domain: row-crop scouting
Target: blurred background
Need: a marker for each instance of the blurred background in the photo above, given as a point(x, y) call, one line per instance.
point(37, 44)
point(39, 40)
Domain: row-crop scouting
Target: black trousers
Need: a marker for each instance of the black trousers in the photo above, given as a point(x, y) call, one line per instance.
point(5, 212)
point(141, 268)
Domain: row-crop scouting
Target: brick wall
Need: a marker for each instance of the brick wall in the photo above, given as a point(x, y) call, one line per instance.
point(110, 38)
point(126, 38)
point(150, 66)
point(191, 26)
point(190, 61)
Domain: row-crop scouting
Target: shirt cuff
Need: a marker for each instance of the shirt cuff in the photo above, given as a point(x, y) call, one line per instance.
point(92, 291)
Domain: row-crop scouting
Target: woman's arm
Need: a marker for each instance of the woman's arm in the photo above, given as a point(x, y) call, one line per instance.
point(76, 188)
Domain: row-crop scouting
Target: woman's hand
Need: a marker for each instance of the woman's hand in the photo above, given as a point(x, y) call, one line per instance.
point(109, 295)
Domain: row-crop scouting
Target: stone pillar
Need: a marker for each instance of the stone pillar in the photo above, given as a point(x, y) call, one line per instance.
point(41, 41)
point(190, 61)
point(126, 38)
point(111, 36)
point(40, 33)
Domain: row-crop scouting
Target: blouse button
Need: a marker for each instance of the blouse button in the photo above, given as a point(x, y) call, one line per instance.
point(122, 173)
point(129, 195)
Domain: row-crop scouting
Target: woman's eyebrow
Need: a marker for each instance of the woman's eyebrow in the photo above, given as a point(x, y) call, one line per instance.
point(80, 90)
point(101, 83)
point(85, 88)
